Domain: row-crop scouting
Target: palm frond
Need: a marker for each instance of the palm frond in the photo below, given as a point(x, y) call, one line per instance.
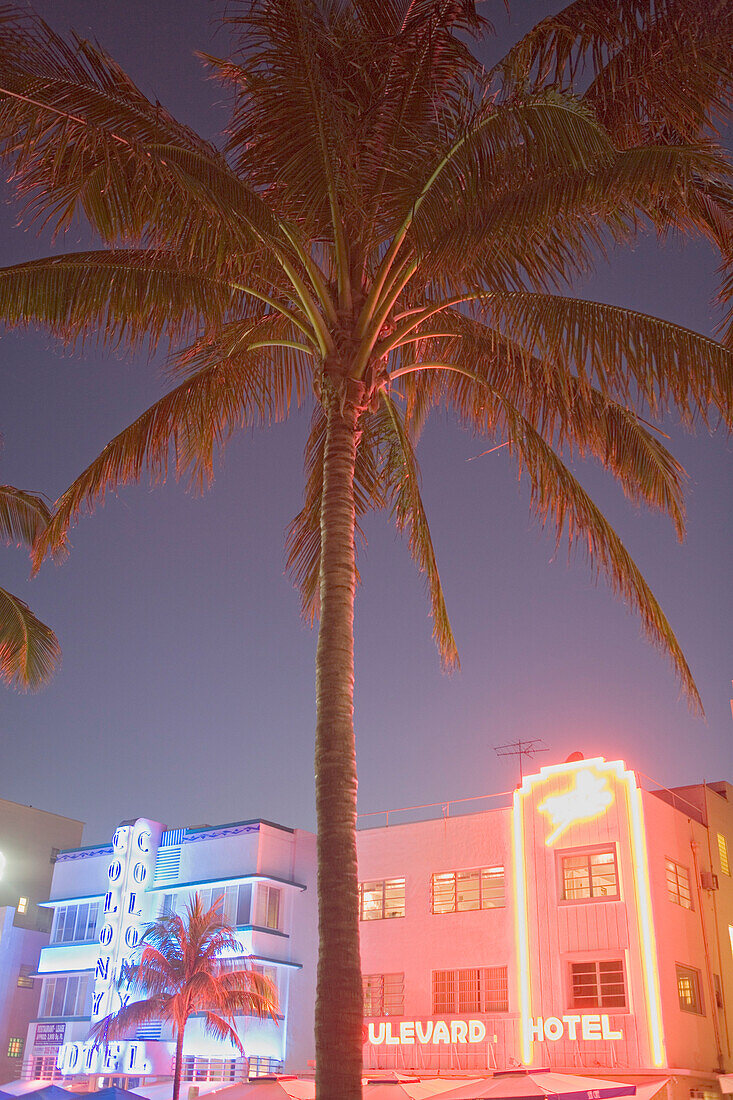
point(23, 516)
point(191, 422)
point(626, 354)
point(574, 417)
point(124, 295)
point(122, 1024)
point(402, 477)
point(651, 69)
point(546, 230)
point(29, 650)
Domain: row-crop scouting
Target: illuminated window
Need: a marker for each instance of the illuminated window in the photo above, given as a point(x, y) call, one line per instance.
point(75, 923)
point(479, 989)
point(25, 981)
point(267, 906)
point(723, 853)
point(598, 984)
point(15, 1048)
point(67, 996)
point(384, 994)
point(589, 875)
point(459, 891)
point(382, 899)
point(22, 905)
point(678, 884)
point(688, 990)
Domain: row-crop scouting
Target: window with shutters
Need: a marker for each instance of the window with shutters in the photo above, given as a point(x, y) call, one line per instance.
point(461, 891)
point(723, 853)
point(598, 984)
point(473, 989)
point(25, 976)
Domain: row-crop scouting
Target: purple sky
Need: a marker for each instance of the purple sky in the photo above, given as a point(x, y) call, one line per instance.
point(187, 686)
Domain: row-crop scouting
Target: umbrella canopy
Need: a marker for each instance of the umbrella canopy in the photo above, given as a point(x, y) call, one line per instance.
point(49, 1092)
point(269, 1088)
point(114, 1093)
point(164, 1091)
point(406, 1088)
point(555, 1086)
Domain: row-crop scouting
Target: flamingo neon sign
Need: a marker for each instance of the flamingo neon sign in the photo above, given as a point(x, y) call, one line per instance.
point(588, 798)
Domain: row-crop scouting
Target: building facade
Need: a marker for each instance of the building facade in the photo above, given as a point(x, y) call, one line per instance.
point(30, 840)
point(102, 898)
point(586, 927)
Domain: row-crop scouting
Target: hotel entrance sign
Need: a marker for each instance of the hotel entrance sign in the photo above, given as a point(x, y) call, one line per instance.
point(589, 1027)
point(424, 1032)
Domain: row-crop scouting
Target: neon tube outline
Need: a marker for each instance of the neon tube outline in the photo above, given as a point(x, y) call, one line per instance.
point(642, 889)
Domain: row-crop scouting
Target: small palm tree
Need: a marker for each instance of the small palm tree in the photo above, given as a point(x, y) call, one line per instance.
point(29, 650)
point(180, 972)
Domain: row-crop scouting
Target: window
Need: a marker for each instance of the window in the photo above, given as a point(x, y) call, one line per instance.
point(235, 901)
point(68, 996)
point(688, 990)
point(22, 905)
point(678, 884)
point(588, 875)
point(384, 994)
point(75, 923)
point(723, 853)
point(459, 891)
point(25, 981)
point(382, 899)
point(267, 906)
point(480, 989)
point(597, 984)
point(15, 1048)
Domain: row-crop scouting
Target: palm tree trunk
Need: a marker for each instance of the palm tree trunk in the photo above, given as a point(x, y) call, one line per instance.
point(179, 1064)
point(339, 1017)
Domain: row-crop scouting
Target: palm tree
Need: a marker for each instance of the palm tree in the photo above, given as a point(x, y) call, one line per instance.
point(180, 971)
point(29, 650)
point(387, 227)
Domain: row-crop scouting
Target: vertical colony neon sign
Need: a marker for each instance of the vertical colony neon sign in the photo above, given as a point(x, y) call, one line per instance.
point(588, 797)
point(130, 872)
point(134, 848)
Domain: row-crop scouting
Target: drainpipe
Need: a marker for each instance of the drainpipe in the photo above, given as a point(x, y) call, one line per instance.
point(711, 984)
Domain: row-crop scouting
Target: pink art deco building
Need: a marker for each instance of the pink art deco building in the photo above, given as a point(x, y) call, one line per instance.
point(586, 926)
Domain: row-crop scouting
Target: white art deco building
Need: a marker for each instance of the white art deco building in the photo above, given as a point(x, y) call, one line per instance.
point(102, 898)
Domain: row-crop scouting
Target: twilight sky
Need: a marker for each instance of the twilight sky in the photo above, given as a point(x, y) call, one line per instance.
point(187, 687)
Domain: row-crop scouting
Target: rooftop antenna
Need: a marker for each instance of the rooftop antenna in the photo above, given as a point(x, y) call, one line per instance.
point(521, 748)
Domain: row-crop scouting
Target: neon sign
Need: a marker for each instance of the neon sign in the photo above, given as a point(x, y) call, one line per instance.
point(589, 798)
point(128, 1056)
point(424, 1032)
point(589, 1027)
